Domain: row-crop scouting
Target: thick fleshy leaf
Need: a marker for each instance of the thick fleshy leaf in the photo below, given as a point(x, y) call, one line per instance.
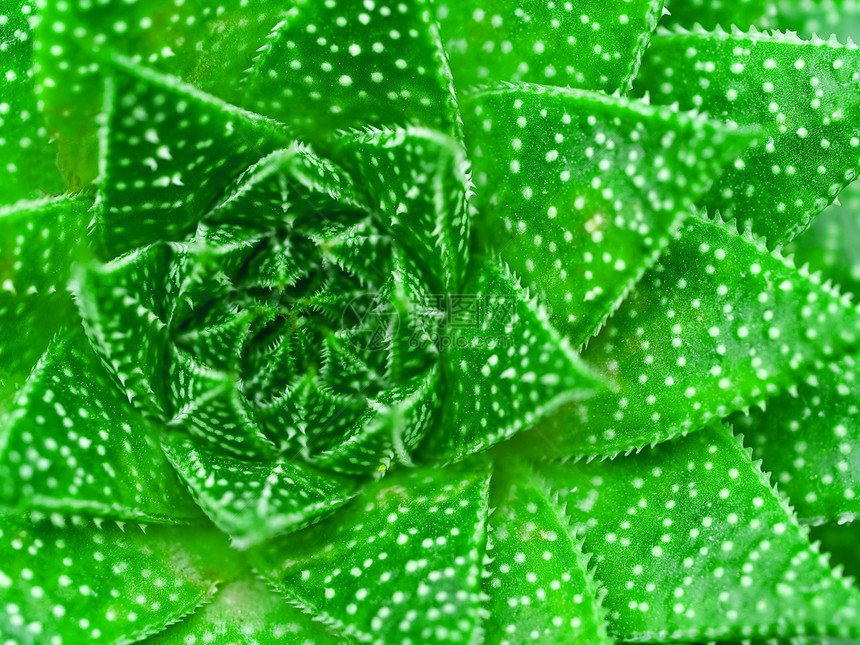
point(823, 17)
point(802, 94)
point(157, 183)
point(27, 324)
point(209, 405)
point(840, 541)
point(809, 439)
point(72, 442)
point(220, 341)
point(253, 501)
point(205, 45)
point(292, 187)
point(579, 192)
point(506, 367)
point(72, 580)
point(29, 161)
point(39, 241)
point(832, 242)
point(362, 251)
point(693, 544)
point(404, 557)
point(426, 207)
point(720, 13)
point(717, 325)
point(388, 428)
point(246, 612)
point(538, 583)
point(595, 46)
point(330, 66)
point(123, 307)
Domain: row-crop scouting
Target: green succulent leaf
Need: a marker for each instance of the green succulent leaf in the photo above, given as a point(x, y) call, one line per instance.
point(251, 297)
point(39, 241)
point(157, 184)
point(840, 541)
point(292, 186)
point(76, 580)
point(255, 501)
point(567, 181)
point(29, 160)
point(823, 17)
point(386, 429)
point(72, 443)
point(123, 308)
point(537, 572)
point(692, 543)
point(802, 93)
point(427, 209)
point(592, 46)
point(209, 405)
point(507, 367)
point(711, 329)
point(247, 611)
point(830, 244)
point(711, 14)
point(809, 438)
point(390, 68)
point(383, 564)
point(204, 45)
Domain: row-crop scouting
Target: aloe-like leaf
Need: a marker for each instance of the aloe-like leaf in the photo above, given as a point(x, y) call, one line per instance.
point(822, 17)
point(71, 579)
point(124, 311)
point(208, 404)
point(41, 239)
point(830, 244)
point(802, 93)
point(374, 434)
point(246, 611)
point(579, 192)
point(221, 340)
point(253, 501)
point(809, 438)
point(427, 209)
point(537, 572)
point(204, 45)
point(506, 366)
point(405, 555)
point(290, 187)
point(156, 186)
point(712, 328)
point(29, 160)
point(39, 242)
point(301, 79)
point(711, 14)
point(692, 543)
point(592, 46)
point(840, 541)
point(207, 46)
point(73, 443)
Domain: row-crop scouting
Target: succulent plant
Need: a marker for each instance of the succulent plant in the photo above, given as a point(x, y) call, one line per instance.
point(429, 321)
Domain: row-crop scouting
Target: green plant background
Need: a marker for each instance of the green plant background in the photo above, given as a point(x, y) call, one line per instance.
point(428, 321)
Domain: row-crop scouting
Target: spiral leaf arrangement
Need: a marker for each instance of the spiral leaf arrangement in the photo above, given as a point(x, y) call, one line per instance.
point(428, 321)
